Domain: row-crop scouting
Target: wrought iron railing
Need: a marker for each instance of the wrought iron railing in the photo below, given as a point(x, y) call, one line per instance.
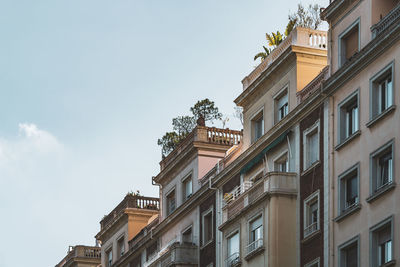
point(232, 260)
point(253, 246)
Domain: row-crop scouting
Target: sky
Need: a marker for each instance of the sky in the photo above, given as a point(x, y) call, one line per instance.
point(86, 89)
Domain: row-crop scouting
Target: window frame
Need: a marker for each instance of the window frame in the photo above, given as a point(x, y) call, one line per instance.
point(184, 181)
point(306, 133)
point(373, 158)
point(344, 104)
point(278, 160)
point(109, 251)
point(253, 119)
point(384, 72)
point(372, 236)
point(172, 190)
point(342, 178)
point(342, 248)
point(310, 199)
point(121, 238)
point(227, 237)
point(345, 34)
point(204, 214)
point(282, 93)
point(311, 263)
point(185, 230)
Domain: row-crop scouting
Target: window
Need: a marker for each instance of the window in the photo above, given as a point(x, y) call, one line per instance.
point(187, 187)
point(187, 236)
point(121, 247)
point(311, 145)
point(109, 257)
point(282, 163)
point(257, 126)
point(349, 42)
point(311, 214)
point(314, 263)
point(151, 251)
point(348, 117)
point(281, 105)
point(207, 224)
point(381, 91)
point(349, 189)
point(256, 234)
point(382, 167)
point(233, 250)
point(381, 242)
point(171, 202)
point(348, 253)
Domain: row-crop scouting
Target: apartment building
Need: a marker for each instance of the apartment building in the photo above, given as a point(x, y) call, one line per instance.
point(364, 54)
point(81, 256)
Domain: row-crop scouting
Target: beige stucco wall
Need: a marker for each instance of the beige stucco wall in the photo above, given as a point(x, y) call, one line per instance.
point(112, 243)
point(265, 101)
point(358, 150)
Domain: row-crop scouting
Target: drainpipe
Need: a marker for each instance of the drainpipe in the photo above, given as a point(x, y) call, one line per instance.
point(159, 194)
point(332, 180)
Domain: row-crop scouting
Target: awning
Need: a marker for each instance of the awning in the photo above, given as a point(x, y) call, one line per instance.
point(259, 157)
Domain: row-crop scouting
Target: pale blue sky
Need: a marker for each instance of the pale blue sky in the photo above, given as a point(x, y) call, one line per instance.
point(87, 87)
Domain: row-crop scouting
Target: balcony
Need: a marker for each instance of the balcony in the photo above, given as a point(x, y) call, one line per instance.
point(254, 246)
point(176, 254)
point(271, 183)
point(391, 18)
point(300, 37)
point(130, 201)
point(233, 260)
point(86, 254)
point(210, 135)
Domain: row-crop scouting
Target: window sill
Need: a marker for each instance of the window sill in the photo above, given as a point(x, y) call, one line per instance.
point(348, 140)
point(311, 236)
point(310, 168)
point(254, 253)
point(381, 115)
point(389, 263)
point(206, 244)
point(348, 212)
point(381, 191)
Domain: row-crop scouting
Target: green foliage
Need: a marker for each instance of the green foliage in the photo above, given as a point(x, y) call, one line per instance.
point(307, 17)
point(206, 109)
point(183, 125)
point(304, 17)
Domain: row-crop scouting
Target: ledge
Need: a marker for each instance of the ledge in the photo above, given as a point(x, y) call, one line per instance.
point(389, 263)
point(381, 191)
point(347, 212)
point(380, 116)
point(254, 253)
point(348, 140)
point(310, 168)
point(311, 236)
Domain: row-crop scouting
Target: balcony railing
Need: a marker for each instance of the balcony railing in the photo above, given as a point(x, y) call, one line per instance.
point(300, 37)
point(235, 193)
point(253, 246)
point(310, 229)
point(205, 134)
point(388, 20)
point(232, 260)
point(130, 201)
point(82, 252)
point(272, 182)
point(181, 253)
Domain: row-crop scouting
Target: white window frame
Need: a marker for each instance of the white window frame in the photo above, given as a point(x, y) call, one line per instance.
point(343, 177)
point(374, 107)
point(343, 106)
point(231, 234)
point(249, 222)
point(313, 262)
point(306, 206)
point(259, 112)
point(278, 160)
point(204, 214)
point(306, 133)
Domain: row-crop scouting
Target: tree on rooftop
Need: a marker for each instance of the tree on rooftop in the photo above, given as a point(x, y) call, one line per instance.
point(207, 110)
point(183, 125)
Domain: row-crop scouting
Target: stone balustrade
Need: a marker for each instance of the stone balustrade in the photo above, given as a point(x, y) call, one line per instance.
point(130, 201)
point(390, 19)
point(299, 37)
point(81, 252)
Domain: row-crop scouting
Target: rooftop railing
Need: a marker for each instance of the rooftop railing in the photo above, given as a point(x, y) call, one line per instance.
point(388, 20)
point(82, 252)
point(130, 201)
point(205, 134)
point(299, 37)
point(272, 182)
